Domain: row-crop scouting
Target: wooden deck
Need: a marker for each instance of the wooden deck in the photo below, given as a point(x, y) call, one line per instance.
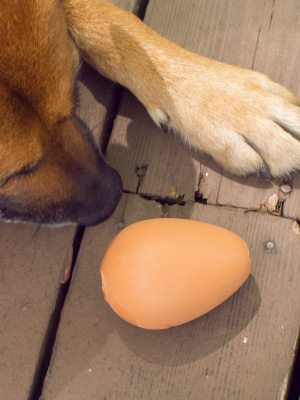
point(242, 350)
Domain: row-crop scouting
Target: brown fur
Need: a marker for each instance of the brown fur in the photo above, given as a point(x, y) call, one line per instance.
point(51, 170)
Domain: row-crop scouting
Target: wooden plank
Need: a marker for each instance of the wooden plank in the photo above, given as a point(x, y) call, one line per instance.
point(91, 311)
point(292, 204)
point(32, 264)
point(241, 350)
point(238, 32)
point(221, 188)
point(138, 145)
point(278, 50)
point(222, 30)
point(247, 192)
point(276, 54)
point(94, 93)
point(127, 5)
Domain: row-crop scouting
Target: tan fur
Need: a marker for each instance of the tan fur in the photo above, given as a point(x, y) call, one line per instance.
point(233, 114)
point(246, 122)
point(50, 169)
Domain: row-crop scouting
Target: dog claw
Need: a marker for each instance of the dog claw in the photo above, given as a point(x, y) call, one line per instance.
point(164, 127)
point(265, 173)
point(161, 118)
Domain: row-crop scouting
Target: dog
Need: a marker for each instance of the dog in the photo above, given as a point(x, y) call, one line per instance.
point(51, 170)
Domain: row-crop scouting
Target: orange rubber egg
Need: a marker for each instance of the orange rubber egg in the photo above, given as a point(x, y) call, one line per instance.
point(164, 272)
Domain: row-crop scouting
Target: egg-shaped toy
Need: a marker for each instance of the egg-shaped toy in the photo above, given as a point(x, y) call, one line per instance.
point(165, 272)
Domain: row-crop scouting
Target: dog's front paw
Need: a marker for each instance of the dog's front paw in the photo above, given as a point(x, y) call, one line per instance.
point(245, 121)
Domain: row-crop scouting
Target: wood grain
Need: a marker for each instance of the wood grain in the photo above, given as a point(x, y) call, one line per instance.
point(32, 264)
point(241, 350)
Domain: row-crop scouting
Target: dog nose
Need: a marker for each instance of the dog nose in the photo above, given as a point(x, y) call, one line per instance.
point(113, 194)
point(101, 198)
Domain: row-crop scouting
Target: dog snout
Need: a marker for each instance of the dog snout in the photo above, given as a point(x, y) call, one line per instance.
point(70, 183)
point(101, 197)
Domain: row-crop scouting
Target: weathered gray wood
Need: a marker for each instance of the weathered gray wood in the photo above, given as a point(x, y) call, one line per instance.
point(127, 5)
point(169, 169)
point(292, 204)
point(248, 192)
point(222, 30)
point(32, 264)
point(94, 95)
point(277, 51)
point(276, 54)
point(241, 350)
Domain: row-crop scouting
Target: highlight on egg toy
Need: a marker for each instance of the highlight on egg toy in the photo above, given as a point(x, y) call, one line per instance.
point(160, 273)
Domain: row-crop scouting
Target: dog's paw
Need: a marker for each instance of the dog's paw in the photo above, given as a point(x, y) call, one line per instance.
point(245, 121)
